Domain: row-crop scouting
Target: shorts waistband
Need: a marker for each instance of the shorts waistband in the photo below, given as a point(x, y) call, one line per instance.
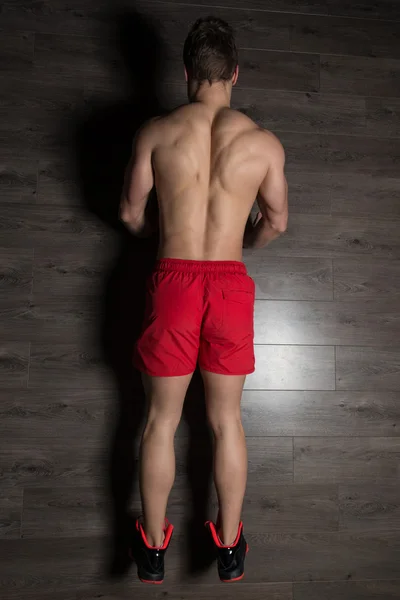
point(201, 266)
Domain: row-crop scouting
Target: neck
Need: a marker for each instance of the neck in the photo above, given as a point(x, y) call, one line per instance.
point(216, 95)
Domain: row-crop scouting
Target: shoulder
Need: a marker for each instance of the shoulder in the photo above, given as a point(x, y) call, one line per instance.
point(272, 145)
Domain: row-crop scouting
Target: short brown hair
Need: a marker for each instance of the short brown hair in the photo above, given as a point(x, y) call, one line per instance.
point(210, 51)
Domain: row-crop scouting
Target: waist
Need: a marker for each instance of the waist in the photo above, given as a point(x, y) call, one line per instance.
point(200, 266)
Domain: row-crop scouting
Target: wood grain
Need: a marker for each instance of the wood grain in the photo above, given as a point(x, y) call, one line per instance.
point(67, 366)
point(319, 413)
point(344, 36)
point(290, 508)
point(58, 183)
point(369, 506)
point(367, 368)
point(17, 179)
point(297, 111)
point(362, 279)
point(360, 75)
point(263, 69)
point(309, 192)
point(16, 51)
point(64, 512)
point(329, 460)
point(293, 367)
point(349, 590)
point(367, 323)
point(10, 511)
point(336, 236)
point(342, 154)
point(14, 361)
point(361, 195)
point(291, 278)
point(383, 116)
point(15, 274)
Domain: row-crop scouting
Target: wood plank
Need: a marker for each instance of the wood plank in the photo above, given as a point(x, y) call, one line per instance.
point(293, 367)
point(343, 460)
point(290, 508)
point(360, 75)
point(64, 512)
point(367, 323)
point(309, 192)
point(320, 413)
point(17, 179)
point(70, 270)
point(361, 195)
point(367, 368)
point(53, 462)
point(44, 98)
point(299, 111)
point(348, 590)
point(10, 511)
point(369, 506)
point(338, 236)
point(255, 29)
point(323, 556)
point(344, 36)
point(40, 225)
point(15, 274)
point(382, 9)
point(263, 69)
point(361, 279)
point(35, 414)
point(291, 278)
point(16, 51)
point(383, 116)
point(67, 366)
point(14, 361)
point(24, 133)
point(75, 18)
point(341, 154)
point(58, 183)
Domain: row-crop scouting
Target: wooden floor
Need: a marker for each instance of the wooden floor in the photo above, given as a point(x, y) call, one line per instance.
point(322, 411)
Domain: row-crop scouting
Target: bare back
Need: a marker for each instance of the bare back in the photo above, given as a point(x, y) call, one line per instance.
point(208, 167)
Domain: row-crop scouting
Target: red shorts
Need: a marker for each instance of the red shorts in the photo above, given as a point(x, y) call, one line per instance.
point(197, 311)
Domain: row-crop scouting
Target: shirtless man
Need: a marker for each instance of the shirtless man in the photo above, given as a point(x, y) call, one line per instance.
point(208, 163)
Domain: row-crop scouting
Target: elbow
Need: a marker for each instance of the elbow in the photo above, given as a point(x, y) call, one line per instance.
point(280, 226)
point(132, 221)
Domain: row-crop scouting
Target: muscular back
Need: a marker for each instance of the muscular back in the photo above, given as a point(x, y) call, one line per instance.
point(208, 167)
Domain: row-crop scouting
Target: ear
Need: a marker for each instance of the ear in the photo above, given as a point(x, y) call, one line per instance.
point(186, 75)
point(235, 75)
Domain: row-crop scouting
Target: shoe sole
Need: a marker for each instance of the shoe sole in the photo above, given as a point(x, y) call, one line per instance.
point(235, 578)
point(151, 582)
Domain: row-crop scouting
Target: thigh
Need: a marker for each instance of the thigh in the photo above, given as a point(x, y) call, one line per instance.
point(223, 395)
point(165, 396)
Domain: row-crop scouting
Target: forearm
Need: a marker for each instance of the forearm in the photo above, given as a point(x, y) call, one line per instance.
point(262, 234)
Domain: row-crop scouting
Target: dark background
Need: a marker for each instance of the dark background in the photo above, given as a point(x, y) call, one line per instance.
point(321, 413)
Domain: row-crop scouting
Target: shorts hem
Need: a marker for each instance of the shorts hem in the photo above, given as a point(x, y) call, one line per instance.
point(154, 374)
point(219, 372)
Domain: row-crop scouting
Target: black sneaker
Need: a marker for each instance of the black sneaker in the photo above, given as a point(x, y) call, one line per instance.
point(230, 558)
point(149, 559)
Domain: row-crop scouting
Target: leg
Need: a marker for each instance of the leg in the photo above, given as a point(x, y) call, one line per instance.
point(223, 396)
point(165, 396)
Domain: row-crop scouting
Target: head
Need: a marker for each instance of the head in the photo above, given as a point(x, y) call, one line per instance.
point(210, 55)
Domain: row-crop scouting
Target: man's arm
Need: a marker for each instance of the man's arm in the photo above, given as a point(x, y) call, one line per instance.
point(138, 183)
point(272, 200)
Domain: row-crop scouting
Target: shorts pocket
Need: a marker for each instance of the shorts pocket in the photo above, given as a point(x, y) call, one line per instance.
point(238, 296)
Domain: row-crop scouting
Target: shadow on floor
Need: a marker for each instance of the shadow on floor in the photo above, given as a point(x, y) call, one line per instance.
point(104, 139)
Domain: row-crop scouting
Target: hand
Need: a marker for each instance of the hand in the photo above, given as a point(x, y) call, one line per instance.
point(257, 218)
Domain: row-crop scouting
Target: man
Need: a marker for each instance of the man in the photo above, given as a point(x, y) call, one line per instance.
point(208, 164)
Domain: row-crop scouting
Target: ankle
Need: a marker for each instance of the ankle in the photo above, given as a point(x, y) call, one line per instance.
point(155, 540)
point(228, 535)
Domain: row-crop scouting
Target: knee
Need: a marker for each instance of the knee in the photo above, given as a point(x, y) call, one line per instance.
point(162, 422)
point(225, 423)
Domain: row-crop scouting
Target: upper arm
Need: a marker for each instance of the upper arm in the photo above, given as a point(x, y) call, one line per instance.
point(272, 194)
point(139, 179)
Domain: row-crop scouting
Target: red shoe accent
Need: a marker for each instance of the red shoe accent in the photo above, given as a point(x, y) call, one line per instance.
point(153, 582)
point(168, 529)
point(216, 538)
point(230, 580)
